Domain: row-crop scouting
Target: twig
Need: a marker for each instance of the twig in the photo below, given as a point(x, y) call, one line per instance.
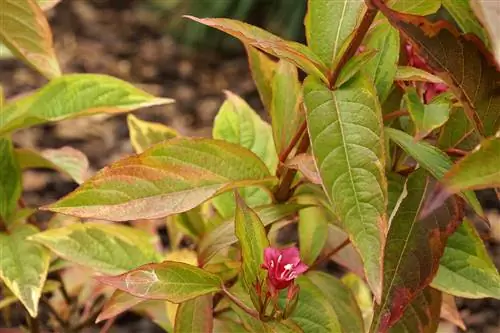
point(63, 323)
point(239, 303)
point(63, 289)
point(96, 309)
point(284, 154)
point(456, 152)
point(327, 257)
point(34, 324)
point(356, 41)
point(283, 191)
point(395, 114)
point(105, 328)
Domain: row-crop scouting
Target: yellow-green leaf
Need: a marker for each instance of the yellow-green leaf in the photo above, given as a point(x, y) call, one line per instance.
point(67, 160)
point(407, 73)
point(329, 24)
point(23, 266)
point(298, 54)
point(10, 179)
point(345, 126)
point(172, 281)
point(106, 248)
point(26, 32)
point(169, 178)
point(195, 315)
point(72, 96)
point(144, 134)
point(416, 7)
point(466, 269)
point(238, 123)
point(262, 68)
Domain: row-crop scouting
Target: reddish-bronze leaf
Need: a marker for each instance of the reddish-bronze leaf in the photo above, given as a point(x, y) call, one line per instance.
point(413, 248)
point(450, 312)
point(461, 61)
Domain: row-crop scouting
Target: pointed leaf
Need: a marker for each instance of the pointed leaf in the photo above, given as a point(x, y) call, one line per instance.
point(144, 134)
point(429, 116)
point(195, 315)
point(395, 188)
point(458, 132)
point(416, 7)
point(354, 65)
point(479, 169)
point(413, 248)
point(169, 178)
point(450, 312)
point(329, 24)
point(66, 159)
point(314, 312)
point(422, 315)
point(27, 34)
point(118, 303)
point(486, 12)
point(72, 96)
point(313, 231)
point(460, 63)
point(10, 179)
point(407, 73)
point(224, 235)
point(253, 240)
point(23, 266)
point(430, 158)
point(384, 39)
point(262, 69)
point(249, 323)
point(106, 248)
point(286, 114)
point(362, 294)
point(298, 54)
point(307, 167)
point(172, 281)
point(345, 127)
point(341, 300)
point(47, 4)
point(466, 270)
point(238, 123)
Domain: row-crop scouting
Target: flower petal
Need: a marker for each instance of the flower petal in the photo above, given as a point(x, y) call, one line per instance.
point(300, 268)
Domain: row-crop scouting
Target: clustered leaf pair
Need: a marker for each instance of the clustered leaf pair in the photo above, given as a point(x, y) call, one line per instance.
point(375, 156)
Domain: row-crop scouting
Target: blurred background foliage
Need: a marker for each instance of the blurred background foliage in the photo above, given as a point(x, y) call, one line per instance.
point(282, 17)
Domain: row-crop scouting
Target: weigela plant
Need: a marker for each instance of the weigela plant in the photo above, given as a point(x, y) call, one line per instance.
point(374, 156)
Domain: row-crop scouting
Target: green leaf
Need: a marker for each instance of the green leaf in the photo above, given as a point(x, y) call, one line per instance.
point(262, 69)
point(106, 248)
point(384, 39)
point(458, 132)
point(190, 223)
point(253, 240)
point(313, 231)
point(169, 178)
point(345, 127)
point(144, 134)
point(354, 65)
point(224, 235)
point(285, 111)
point(462, 13)
point(395, 188)
point(416, 7)
point(72, 96)
point(23, 266)
point(362, 294)
point(427, 117)
point(466, 269)
point(26, 32)
point(298, 54)
point(477, 170)
point(10, 179)
point(250, 323)
point(422, 315)
point(407, 73)
point(195, 315)
point(462, 66)
point(314, 312)
point(430, 158)
point(238, 123)
point(66, 160)
point(413, 248)
point(118, 303)
point(47, 4)
point(341, 300)
point(173, 281)
point(328, 26)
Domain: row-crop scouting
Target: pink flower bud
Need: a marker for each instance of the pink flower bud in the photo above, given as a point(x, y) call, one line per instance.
point(282, 266)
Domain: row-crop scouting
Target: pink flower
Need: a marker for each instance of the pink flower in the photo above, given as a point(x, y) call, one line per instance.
point(414, 59)
point(432, 90)
point(283, 266)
